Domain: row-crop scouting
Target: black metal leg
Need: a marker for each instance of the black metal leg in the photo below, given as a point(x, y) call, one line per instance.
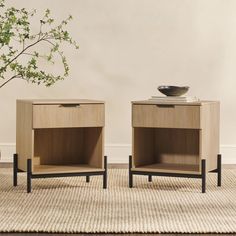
point(29, 174)
point(130, 172)
point(219, 170)
point(105, 173)
point(149, 178)
point(15, 169)
point(203, 167)
point(87, 179)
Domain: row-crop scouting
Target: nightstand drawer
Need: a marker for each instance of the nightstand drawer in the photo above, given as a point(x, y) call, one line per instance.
point(166, 116)
point(68, 115)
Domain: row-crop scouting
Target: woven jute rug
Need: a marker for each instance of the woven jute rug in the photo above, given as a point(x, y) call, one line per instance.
point(70, 205)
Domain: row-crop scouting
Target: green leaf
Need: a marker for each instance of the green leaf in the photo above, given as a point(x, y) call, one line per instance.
point(20, 54)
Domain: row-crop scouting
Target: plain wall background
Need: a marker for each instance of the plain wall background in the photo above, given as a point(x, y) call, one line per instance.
point(128, 48)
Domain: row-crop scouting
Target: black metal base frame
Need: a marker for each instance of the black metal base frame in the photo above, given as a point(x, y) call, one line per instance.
point(31, 176)
point(202, 175)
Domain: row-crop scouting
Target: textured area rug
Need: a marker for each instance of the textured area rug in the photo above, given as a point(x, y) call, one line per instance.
point(70, 205)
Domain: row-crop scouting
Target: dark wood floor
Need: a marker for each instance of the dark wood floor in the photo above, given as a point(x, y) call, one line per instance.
point(37, 234)
point(3, 165)
point(226, 166)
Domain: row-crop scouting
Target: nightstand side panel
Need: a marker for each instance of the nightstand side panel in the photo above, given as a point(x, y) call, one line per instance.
point(209, 134)
point(94, 147)
point(24, 133)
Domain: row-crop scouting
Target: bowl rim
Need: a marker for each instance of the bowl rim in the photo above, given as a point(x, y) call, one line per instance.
point(172, 86)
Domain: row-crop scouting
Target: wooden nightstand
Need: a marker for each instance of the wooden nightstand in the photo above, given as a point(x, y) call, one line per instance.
point(58, 138)
point(175, 139)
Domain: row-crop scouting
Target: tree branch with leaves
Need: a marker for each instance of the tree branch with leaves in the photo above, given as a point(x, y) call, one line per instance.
point(19, 56)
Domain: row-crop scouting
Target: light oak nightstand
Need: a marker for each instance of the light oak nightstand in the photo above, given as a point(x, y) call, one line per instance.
point(58, 138)
point(175, 139)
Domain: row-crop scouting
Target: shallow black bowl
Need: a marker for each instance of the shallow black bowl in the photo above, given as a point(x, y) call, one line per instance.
point(173, 90)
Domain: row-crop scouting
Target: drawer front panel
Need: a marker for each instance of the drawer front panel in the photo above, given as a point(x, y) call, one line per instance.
point(68, 115)
point(166, 116)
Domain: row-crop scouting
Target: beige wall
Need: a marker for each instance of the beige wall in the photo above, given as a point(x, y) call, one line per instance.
point(129, 47)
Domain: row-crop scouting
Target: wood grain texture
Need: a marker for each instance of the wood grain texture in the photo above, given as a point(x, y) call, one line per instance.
point(209, 135)
point(170, 168)
point(143, 146)
point(140, 234)
point(175, 135)
point(166, 117)
point(94, 147)
point(177, 146)
point(4, 165)
point(166, 146)
point(47, 169)
point(62, 101)
point(51, 134)
point(59, 146)
point(198, 103)
point(68, 146)
point(24, 133)
point(58, 116)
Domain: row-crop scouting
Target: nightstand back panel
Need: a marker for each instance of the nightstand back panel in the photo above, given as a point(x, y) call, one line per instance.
point(66, 146)
point(165, 146)
point(177, 146)
point(59, 146)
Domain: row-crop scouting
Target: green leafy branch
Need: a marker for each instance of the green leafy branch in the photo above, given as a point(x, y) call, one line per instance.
point(17, 41)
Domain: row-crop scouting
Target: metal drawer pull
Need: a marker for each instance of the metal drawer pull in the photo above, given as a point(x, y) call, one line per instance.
point(165, 106)
point(69, 105)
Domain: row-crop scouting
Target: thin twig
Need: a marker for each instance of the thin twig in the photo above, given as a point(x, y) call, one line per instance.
point(40, 30)
point(31, 54)
point(13, 77)
point(29, 46)
point(60, 53)
point(53, 44)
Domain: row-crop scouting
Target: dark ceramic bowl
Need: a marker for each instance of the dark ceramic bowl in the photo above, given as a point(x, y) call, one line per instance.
point(173, 90)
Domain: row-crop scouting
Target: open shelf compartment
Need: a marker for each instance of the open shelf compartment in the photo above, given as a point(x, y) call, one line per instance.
point(68, 150)
point(166, 150)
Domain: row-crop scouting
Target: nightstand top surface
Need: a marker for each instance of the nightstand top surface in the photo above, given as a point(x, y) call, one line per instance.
point(149, 102)
point(60, 101)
